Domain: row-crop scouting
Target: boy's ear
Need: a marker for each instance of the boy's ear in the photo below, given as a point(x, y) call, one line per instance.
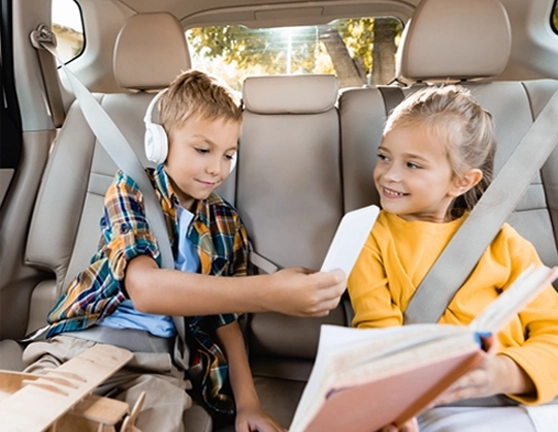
point(466, 182)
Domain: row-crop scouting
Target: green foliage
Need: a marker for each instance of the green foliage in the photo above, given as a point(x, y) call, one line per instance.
point(358, 35)
point(267, 49)
point(234, 52)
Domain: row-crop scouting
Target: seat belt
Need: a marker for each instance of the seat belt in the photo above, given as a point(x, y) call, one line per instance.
point(51, 83)
point(116, 145)
point(452, 268)
point(392, 96)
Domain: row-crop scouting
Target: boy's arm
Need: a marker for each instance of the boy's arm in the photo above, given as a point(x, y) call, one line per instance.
point(292, 291)
point(249, 415)
point(131, 254)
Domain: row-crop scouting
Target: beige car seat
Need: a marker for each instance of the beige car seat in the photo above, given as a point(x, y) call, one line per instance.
point(289, 195)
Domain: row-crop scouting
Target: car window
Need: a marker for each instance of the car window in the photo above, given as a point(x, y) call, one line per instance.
point(359, 51)
point(554, 19)
point(67, 24)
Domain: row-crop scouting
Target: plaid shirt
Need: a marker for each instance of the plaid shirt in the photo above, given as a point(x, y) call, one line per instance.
point(222, 245)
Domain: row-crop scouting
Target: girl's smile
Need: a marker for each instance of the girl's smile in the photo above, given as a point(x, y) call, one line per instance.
point(390, 193)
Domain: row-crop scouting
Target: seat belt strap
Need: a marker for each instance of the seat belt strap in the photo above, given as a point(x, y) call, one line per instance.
point(47, 64)
point(263, 263)
point(116, 145)
point(453, 267)
point(393, 96)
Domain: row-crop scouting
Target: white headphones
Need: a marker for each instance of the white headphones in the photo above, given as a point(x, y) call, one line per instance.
point(156, 141)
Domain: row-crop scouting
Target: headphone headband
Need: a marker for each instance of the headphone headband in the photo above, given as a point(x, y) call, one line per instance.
point(149, 112)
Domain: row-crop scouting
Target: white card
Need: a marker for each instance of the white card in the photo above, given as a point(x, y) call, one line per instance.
point(349, 239)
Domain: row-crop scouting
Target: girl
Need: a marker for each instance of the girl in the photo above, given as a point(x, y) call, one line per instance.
point(434, 163)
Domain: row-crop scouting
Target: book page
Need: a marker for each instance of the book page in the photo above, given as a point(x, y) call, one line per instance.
point(349, 239)
point(345, 354)
point(526, 287)
point(409, 355)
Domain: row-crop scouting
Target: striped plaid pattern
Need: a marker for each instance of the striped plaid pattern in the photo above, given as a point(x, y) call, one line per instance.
point(222, 245)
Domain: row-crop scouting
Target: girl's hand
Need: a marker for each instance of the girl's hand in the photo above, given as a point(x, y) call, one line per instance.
point(497, 374)
point(410, 426)
point(254, 419)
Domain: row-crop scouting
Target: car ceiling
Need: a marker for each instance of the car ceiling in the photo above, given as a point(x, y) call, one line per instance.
point(270, 13)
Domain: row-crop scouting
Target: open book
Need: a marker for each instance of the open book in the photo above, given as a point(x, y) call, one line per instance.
point(365, 379)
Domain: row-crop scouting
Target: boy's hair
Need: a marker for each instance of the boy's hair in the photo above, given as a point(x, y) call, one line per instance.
point(451, 113)
point(197, 94)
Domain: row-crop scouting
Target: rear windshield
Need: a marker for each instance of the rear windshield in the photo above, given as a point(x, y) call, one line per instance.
point(359, 51)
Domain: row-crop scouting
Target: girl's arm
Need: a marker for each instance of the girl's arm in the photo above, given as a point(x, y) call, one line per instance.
point(370, 293)
point(249, 415)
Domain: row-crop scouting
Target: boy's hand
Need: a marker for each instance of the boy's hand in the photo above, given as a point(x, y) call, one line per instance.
point(297, 291)
point(410, 426)
point(254, 419)
point(497, 374)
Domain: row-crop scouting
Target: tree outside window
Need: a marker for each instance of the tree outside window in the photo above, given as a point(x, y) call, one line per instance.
point(359, 51)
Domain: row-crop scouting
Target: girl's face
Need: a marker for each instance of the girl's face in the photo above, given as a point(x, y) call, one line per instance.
point(413, 175)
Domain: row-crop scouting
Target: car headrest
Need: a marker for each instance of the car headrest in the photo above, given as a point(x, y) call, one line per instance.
point(452, 40)
point(290, 94)
point(150, 51)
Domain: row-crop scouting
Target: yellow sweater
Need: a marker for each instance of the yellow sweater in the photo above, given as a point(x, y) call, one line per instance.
point(397, 256)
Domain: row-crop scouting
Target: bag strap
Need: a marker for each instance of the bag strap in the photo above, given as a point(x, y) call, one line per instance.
point(116, 145)
point(453, 267)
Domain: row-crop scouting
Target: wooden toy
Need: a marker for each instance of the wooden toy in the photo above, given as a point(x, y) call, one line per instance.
point(61, 399)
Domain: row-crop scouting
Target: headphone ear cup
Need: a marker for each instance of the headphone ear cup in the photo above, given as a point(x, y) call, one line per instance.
point(156, 143)
point(233, 162)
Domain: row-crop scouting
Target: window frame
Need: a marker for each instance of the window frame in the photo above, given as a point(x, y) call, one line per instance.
point(553, 14)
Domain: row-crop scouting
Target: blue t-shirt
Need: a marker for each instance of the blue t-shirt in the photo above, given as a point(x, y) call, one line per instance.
point(187, 260)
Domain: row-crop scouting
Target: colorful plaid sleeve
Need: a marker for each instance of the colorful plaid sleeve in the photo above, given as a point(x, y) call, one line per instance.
point(241, 252)
point(124, 226)
point(97, 291)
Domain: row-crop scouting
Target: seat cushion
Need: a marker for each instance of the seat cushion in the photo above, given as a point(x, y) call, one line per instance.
point(10, 355)
point(196, 419)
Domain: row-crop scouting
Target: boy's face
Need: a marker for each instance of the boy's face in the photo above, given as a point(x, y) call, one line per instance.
point(413, 175)
point(200, 157)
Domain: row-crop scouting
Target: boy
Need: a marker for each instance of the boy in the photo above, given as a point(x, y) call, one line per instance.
point(125, 299)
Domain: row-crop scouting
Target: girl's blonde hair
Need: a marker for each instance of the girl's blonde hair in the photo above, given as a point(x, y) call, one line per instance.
point(467, 130)
point(197, 94)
